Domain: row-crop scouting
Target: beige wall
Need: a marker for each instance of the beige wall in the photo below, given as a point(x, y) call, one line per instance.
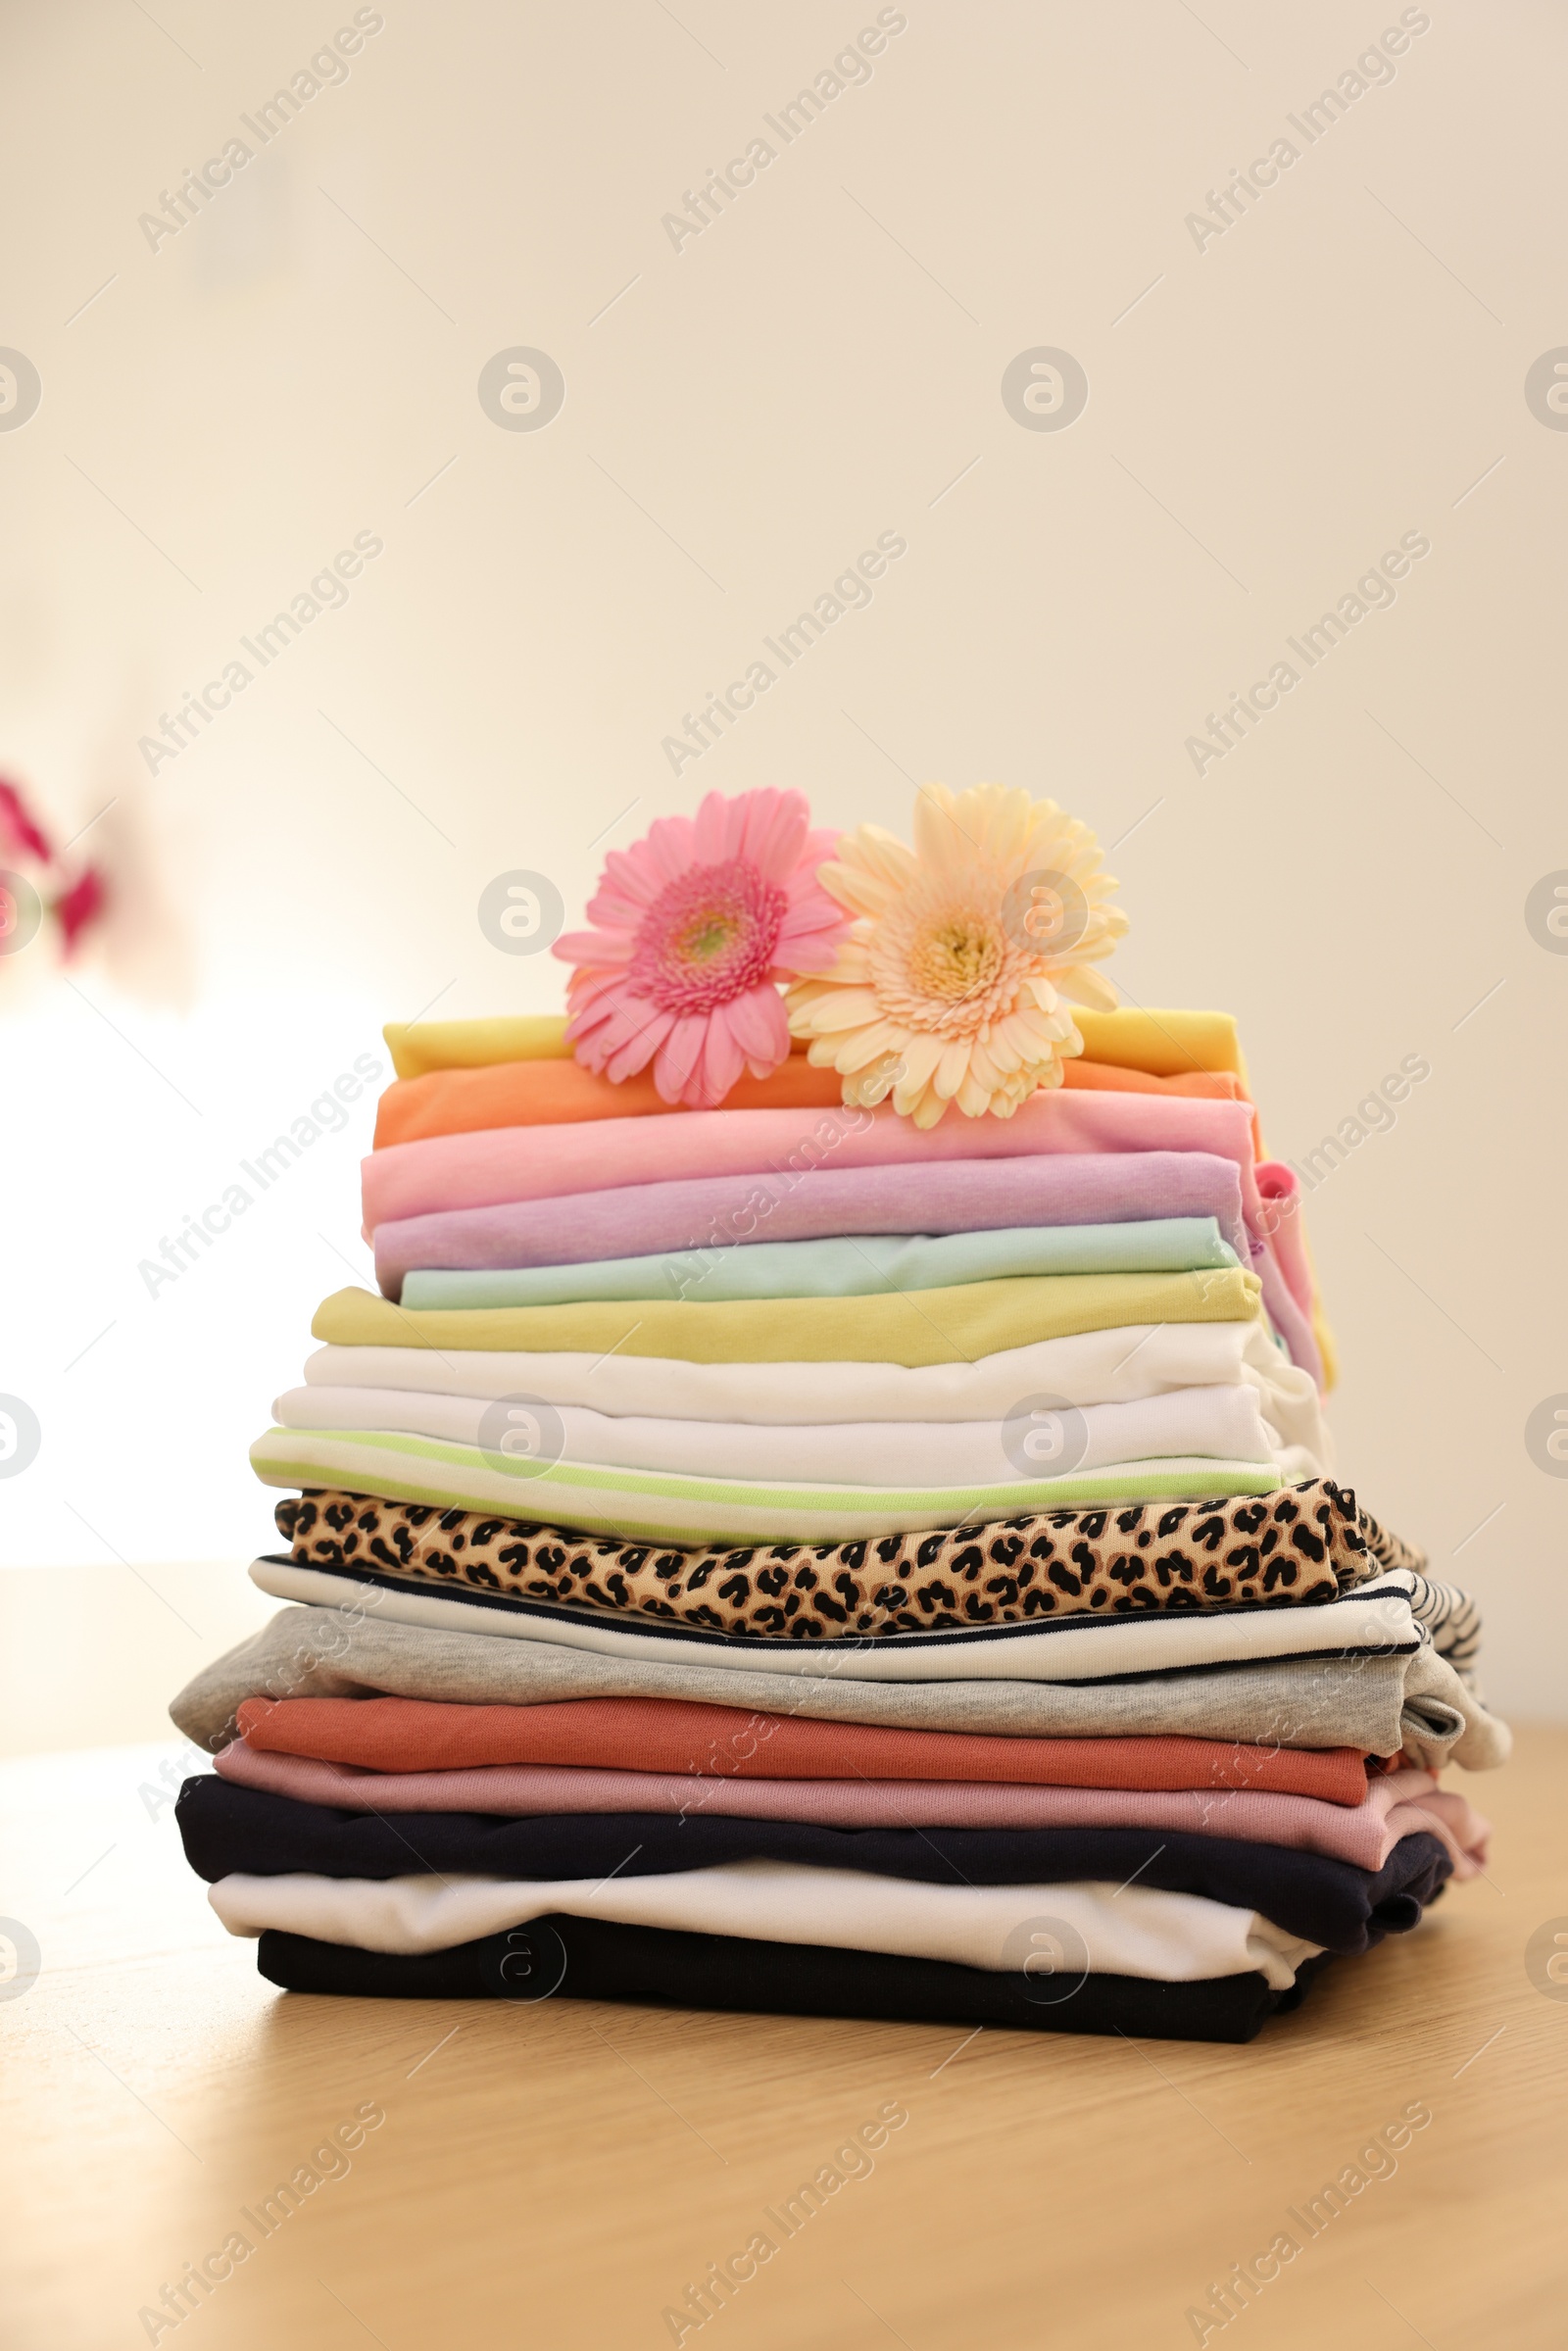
point(1345, 364)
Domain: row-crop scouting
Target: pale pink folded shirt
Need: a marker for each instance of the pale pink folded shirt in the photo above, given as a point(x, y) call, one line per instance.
point(1397, 1804)
point(507, 1164)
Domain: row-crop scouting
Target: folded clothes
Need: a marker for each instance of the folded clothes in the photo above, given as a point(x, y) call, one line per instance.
point(1162, 1044)
point(541, 1091)
point(1376, 1617)
point(718, 1214)
point(592, 1959)
point(550, 1093)
point(1410, 1702)
point(391, 1734)
point(1224, 1422)
point(842, 1266)
point(933, 1326)
point(1095, 1928)
point(416, 1045)
point(1342, 1907)
point(1405, 1804)
point(1092, 1367)
point(527, 1163)
point(1294, 1546)
point(643, 1508)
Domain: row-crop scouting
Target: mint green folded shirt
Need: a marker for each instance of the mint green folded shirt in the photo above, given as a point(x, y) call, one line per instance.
point(841, 1267)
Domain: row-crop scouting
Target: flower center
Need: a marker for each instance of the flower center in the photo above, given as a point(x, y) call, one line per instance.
point(707, 938)
point(956, 958)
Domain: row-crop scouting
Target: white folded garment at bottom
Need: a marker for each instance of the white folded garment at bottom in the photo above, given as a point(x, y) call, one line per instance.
point(1037, 1441)
point(1055, 1932)
point(1088, 1367)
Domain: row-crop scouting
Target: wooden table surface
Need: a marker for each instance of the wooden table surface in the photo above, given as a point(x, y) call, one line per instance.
point(560, 2175)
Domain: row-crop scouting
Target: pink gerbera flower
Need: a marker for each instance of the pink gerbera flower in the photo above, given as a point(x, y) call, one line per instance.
point(696, 925)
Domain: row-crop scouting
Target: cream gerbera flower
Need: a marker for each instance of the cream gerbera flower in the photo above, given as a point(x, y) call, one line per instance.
point(949, 986)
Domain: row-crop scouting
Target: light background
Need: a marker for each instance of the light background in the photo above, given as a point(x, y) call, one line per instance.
point(742, 417)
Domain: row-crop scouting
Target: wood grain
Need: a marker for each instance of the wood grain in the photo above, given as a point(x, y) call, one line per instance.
point(559, 2175)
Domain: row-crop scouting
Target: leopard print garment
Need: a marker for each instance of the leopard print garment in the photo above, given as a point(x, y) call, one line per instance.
point(1306, 1543)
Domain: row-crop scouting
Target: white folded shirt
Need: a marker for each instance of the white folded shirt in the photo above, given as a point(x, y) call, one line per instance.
point(1374, 1616)
point(1088, 1367)
point(1053, 1934)
point(1225, 1423)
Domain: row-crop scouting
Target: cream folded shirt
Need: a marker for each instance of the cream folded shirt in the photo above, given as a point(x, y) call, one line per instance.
point(1091, 1367)
point(1058, 1933)
point(1224, 1422)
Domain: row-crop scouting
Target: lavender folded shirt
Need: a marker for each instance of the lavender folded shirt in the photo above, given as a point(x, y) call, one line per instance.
point(716, 1212)
point(1397, 1805)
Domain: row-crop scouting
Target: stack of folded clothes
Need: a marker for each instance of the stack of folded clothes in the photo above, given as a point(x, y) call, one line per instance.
point(773, 1545)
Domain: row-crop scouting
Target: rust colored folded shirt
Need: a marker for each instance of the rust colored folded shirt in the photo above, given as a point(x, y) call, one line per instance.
point(677, 1734)
point(550, 1092)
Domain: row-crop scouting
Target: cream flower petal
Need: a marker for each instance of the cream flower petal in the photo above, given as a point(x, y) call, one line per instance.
point(1087, 987)
point(869, 1045)
point(844, 1009)
point(951, 1068)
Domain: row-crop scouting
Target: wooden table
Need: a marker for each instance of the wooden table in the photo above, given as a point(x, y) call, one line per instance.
point(560, 2175)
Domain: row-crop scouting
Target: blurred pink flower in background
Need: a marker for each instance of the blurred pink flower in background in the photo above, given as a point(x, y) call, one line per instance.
point(70, 890)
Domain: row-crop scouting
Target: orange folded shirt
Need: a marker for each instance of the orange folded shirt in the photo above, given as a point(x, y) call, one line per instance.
point(526, 1094)
point(679, 1735)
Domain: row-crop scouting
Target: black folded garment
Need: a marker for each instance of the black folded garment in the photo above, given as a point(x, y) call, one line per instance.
point(596, 1959)
point(226, 1828)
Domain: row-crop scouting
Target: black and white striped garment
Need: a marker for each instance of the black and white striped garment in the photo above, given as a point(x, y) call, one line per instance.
point(1451, 1620)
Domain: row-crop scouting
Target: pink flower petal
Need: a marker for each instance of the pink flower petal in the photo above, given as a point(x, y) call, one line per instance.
point(669, 844)
point(679, 1055)
point(711, 830)
point(776, 833)
point(722, 1062)
point(760, 1026)
point(596, 948)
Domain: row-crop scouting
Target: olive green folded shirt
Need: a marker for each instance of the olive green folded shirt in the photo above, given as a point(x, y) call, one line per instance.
point(930, 1326)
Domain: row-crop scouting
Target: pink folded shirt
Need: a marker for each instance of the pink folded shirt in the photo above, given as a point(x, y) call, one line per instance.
point(1397, 1804)
point(516, 1163)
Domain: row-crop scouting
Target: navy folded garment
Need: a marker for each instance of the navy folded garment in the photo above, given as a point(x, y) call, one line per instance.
point(595, 1959)
point(226, 1828)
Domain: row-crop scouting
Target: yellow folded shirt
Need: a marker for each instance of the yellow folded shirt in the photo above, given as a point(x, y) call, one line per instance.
point(933, 1326)
point(1163, 1044)
point(419, 1047)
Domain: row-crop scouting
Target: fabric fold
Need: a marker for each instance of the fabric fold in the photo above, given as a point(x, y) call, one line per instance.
point(1161, 1042)
point(1223, 1422)
point(1381, 1704)
point(589, 1959)
point(1098, 1930)
point(646, 1507)
point(1408, 1804)
point(386, 1736)
point(932, 1326)
point(1326, 1900)
point(1298, 1546)
point(1091, 1367)
point(713, 1214)
point(841, 1266)
point(546, 1092)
